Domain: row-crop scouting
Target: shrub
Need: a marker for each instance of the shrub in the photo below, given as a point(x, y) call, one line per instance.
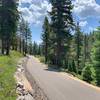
point(87, 74)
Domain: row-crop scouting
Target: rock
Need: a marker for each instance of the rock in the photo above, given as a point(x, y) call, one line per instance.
point(29, 97)
point(24, 92)
point(20, 69)
point(19, 93)
point(21, 98)
point(19, 65)
point(21, 90)
point(20, 85)
point(26, 97)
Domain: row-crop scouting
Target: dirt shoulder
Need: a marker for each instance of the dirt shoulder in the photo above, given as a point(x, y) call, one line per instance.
point(23, 88)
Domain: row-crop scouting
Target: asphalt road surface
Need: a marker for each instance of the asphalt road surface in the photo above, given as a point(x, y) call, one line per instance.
point(58, 86)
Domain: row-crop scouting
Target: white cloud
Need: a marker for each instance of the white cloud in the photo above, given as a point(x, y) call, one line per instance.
point(86, 8)
point(35, 11)
point(83, 23)
point(25, 1)
point(27, 15)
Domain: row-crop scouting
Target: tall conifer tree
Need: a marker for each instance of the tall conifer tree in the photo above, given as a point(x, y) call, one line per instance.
point(8, 23)
point(79, 46)
point(61, 22)
point(96, 55)
point(45, 38)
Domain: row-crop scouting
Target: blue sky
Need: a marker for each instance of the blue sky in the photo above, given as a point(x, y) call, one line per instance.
point(87, 12)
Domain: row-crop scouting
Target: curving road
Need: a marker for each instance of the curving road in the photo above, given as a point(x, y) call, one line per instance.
point(58, 86)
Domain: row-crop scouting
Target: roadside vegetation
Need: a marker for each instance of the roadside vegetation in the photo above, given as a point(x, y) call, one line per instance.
point(67, 47)
point(15, 41)
point(7, 69)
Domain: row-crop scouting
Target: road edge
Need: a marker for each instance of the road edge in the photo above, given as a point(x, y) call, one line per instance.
point(38, 93)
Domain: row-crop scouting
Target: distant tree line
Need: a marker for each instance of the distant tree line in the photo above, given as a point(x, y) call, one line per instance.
point(15, 33)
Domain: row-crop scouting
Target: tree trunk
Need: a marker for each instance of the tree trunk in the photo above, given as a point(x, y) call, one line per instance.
point(26, 47)
point(7, 47)
point(23, 47)
point(20, 46)
point(46, 52)
point(59, 52)
point(2, 47)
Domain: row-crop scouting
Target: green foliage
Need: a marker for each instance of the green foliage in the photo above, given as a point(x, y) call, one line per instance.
point(74, 67)
point(24, 36)
point(46, 38)
point(70, 69)
point(87, 73)
point(41, 58)
point(78, 39)
point(8, 23)
point(7, 81)
point(96, 56)
point(35, 48)
point(61, 24)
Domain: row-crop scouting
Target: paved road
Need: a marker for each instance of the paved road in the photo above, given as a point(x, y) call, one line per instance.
point(58, 86)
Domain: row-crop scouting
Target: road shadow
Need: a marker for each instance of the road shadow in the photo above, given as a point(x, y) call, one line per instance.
point(52, 68)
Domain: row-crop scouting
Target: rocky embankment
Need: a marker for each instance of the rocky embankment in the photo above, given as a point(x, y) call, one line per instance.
point(26, 87)
point(23, 87)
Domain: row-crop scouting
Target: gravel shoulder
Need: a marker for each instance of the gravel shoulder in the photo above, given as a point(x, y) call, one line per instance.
point(24, 89)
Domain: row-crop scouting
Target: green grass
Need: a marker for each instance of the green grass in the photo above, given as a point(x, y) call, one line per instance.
point(7, 81)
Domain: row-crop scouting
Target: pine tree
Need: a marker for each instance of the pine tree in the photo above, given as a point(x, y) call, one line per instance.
point(35, 48)
point(96, 55)
point(72, 54)
point(61, 22)
point(45, 38)
point(25, 33)
point(40, 51)
point(87, 73)
point(21, 34)
point(91, 40)
point(79, 46)
point(27, 36)
point(85, 49)
point(8, 23)
point(29, 48)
